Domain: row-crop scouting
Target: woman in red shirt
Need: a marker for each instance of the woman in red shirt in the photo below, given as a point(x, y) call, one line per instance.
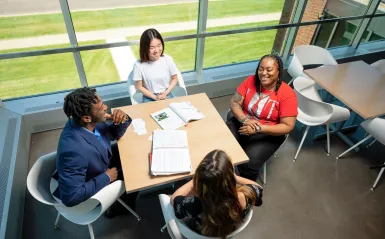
point(264, 110)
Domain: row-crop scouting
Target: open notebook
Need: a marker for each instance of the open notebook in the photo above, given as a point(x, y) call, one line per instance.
point(177, 115)
point(170, 154)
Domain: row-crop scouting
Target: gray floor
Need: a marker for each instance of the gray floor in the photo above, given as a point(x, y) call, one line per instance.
point(316, 197)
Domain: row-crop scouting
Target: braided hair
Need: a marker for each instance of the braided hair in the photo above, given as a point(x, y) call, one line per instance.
point(279, 62)
point(79, 103)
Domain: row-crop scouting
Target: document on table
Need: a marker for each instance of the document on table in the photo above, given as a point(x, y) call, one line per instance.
point(139, 126)
point(170, 153)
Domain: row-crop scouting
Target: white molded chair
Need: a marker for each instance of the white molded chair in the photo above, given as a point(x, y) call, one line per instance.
point(137, 97)
point(178, 230)
point(380, 65)
point(308, 55)
point(312, 112)
point(376, 129)
point(40, 184)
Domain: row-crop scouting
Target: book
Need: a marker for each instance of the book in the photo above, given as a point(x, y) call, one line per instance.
point(177, 115)
point(170, 153)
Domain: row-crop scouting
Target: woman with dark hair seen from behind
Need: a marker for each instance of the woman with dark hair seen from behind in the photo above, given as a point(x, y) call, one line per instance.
point(155, 73)
point(216, 201)
point(264, 110)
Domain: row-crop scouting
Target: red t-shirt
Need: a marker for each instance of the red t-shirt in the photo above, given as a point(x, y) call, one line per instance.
point(270, 108)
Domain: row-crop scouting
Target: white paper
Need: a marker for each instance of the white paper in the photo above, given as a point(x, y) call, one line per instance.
point(170, 139)
point(186, 111)
point(139, 126)
point(167, 119)
point(170, 161)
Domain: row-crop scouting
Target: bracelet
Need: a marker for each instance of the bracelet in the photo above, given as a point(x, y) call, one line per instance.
point(244, 120)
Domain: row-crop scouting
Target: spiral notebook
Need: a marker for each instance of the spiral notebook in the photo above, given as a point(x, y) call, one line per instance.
point(170, 153)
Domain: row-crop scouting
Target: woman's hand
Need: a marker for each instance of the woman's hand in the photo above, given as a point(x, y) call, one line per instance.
point(162, 96)
point(247, 130)
point(255, 124)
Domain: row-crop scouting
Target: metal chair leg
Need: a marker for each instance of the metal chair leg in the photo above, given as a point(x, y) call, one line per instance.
point(300, 145)
point(57, 220)
point(354, 146)
point(164, 227)
point(328, 139)
point(371, 143)
point(264, 174)
point(378, 178)
point(92, 236)
point(129, 209)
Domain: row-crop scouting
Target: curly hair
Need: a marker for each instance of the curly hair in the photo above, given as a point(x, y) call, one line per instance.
point(279, 62)
point(79, 103)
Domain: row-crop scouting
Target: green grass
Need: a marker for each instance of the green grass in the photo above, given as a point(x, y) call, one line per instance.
point(42, 74)
point(220, 50)
point(46, 24)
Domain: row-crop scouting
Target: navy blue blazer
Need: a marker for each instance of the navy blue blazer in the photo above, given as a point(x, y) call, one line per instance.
point(82, 160)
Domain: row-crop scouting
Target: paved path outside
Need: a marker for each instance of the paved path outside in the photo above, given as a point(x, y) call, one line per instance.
point(29, 7)
point(131, 31)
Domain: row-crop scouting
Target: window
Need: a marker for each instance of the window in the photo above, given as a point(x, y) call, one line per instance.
point(117, 20)
point(37, 75)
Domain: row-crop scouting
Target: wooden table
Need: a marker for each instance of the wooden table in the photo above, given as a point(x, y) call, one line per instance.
point(203, 135)
point(358, 85)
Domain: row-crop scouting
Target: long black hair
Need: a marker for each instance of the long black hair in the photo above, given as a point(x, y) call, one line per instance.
point(280, 74)
point(79, 103)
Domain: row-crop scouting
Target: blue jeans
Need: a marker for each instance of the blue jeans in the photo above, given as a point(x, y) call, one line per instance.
point(148, 99)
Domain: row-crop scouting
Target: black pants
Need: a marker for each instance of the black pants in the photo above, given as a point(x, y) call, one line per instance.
point(129, 199)
point(259, 148)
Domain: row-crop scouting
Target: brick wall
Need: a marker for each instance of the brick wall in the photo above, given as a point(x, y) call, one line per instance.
point(313, 11)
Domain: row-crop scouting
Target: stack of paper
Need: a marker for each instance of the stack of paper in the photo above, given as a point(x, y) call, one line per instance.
point(139, 126)
point(170, 153)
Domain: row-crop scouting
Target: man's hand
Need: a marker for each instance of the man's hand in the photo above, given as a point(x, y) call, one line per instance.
point(112, 173)
point(117, 117)
point(246, 130)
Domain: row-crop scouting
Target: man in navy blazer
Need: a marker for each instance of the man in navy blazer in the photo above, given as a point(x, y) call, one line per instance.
point(86, 162)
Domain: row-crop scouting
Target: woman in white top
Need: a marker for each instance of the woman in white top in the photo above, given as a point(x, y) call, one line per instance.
point(155, 73)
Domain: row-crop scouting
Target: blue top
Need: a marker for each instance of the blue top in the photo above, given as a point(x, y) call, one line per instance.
point(82, 160)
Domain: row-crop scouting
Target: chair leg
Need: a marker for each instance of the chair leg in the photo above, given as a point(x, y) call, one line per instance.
point(92, 236)
point(129, 209)
point(300, 145)
point(164, 227)
point(378, 178)
point(354, 146)
point(264, 174)
point(328, 139)
point(371, 143)
point(57, 220)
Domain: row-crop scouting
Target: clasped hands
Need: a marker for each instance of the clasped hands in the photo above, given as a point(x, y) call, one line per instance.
point(250, 127)
point(161, 96)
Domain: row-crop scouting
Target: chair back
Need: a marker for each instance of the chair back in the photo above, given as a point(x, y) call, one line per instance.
point(137, 97)
point(171, 220)
point(190, 234)
point(305, 90)
point(309, 55)
point(39, 178)
point(376, 128)
point(380, 65)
